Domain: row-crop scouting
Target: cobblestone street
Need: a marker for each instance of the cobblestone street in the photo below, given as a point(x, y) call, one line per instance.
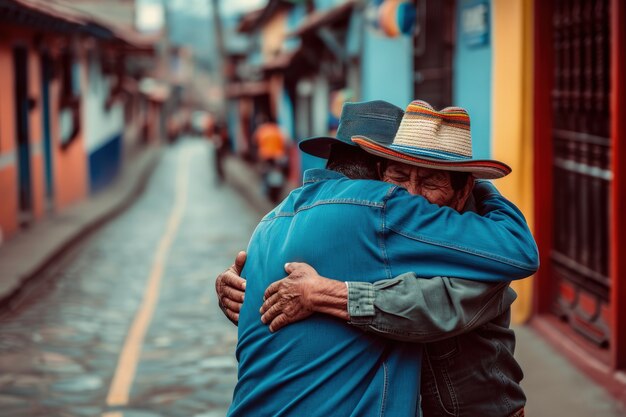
point(60, 351)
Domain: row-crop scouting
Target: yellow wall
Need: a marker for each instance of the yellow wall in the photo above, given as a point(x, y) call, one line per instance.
point(512, 116)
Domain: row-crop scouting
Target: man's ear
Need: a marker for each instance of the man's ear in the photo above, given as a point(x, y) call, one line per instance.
point(380, 170)
point(464, 193)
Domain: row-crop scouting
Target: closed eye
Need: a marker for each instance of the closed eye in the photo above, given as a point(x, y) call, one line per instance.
point(397, 178)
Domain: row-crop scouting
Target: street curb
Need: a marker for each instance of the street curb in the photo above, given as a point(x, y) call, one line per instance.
point(244, 179)
point(71, 227)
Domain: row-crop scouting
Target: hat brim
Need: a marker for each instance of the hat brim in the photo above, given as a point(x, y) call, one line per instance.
point(320, 145)
point(479, 168)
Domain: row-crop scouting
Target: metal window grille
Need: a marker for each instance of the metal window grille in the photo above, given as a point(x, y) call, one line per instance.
point(582, 175)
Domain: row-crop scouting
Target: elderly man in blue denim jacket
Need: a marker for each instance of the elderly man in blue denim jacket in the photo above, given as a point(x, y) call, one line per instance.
point(360, 228)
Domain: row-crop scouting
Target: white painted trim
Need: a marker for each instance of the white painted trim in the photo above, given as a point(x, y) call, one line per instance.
point(36, 148)
point(7, 159)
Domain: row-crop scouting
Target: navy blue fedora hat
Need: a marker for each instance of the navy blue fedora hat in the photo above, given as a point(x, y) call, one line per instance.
point(374, 119)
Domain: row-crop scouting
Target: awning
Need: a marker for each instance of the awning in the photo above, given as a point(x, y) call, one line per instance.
point(319, 19)
point(42, 14)
point(68, 17)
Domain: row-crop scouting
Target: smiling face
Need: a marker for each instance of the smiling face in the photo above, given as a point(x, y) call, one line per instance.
point(433, 184)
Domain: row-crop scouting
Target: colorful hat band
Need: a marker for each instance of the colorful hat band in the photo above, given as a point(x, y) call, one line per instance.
point(480, 168)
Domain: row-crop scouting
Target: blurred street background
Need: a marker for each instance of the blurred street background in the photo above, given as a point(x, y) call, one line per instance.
point(142, 140)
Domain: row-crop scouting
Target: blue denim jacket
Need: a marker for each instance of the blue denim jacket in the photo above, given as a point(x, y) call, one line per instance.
point(358, 228)
point(468, 367)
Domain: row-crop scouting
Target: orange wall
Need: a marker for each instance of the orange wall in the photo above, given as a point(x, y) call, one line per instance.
point(8, 174)
point(8, 208)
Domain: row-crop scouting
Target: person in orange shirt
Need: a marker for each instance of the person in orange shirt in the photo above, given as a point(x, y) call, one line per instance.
point(272, 153)
point(270, 141)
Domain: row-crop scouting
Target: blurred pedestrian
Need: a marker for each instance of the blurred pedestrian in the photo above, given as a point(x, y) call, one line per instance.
point(221, 142)
point(272, 155)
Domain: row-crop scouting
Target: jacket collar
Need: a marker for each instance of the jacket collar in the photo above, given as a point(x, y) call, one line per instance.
point(318, 174)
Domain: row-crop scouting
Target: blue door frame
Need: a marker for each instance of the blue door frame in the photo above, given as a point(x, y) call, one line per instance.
point(46, 72)
point(20, 65)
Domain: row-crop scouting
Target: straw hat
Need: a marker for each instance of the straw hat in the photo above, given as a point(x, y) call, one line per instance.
point(434, 139)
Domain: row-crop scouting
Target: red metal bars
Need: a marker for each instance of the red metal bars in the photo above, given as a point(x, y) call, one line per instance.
point(618, 201)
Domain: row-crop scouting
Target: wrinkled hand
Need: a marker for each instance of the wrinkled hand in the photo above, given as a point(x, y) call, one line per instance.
point(230, 288)
point(289, 300)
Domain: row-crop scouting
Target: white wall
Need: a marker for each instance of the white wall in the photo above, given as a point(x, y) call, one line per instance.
point(100, 125)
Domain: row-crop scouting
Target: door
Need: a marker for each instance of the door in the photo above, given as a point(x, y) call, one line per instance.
point(581, 167)
point(22, 107)
point(46, 75)
point(433, 49)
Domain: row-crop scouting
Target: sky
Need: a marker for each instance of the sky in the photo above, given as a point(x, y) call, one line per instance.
point(191, 22)
point(150, 13)
point(203, 7)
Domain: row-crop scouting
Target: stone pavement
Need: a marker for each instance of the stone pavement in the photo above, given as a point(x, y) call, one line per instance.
point(22, 257)
point(554, 387)
point(59, 350)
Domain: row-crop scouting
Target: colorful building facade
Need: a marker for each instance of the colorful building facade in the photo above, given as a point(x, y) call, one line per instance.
point(64, 111)
point(543, 83)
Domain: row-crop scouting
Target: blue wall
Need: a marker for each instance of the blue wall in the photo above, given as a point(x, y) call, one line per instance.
point(387, 68)
point(104, 163)
point(472, 83)
point(233, 123)
point(285, 116)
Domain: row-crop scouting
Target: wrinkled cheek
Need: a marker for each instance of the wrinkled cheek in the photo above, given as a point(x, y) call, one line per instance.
point(439, 198)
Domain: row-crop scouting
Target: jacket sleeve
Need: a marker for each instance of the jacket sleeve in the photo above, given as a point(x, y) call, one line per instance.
point(421, 310)
point(494, 244)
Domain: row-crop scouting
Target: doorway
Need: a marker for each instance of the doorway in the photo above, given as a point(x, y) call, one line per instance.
point(46, 76)
point(22, 134)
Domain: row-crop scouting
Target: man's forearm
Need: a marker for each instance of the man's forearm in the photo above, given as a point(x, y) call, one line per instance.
point(425, 310)
point(330, 297)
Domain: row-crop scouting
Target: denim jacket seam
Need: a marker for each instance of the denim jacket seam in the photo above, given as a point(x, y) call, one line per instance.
point(503, 380)
point(382, 234)
point(437, 393)
point(350, 201)
point(459, 248)
point(381, 242)
point(325, 176)
point(385, 387)
point(316, 180)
